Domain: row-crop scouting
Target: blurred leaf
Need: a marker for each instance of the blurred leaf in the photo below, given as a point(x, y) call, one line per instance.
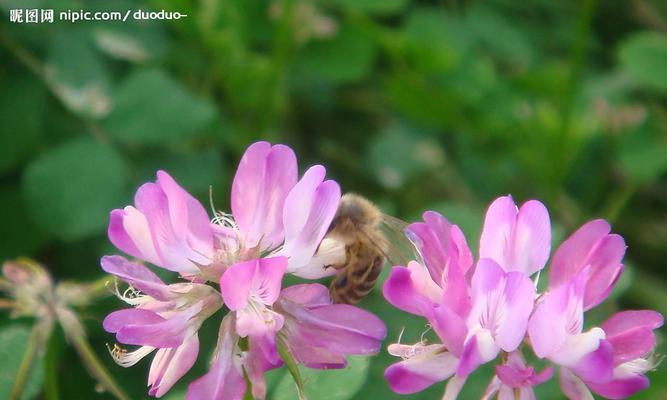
point(19, 233)
point(347, 57)
point(71, 189)
point(371, 6)
point(500, 35)
point(643, 152)
point(136, 41)
point(195, 171)
point(333, 384)
point(399, 154)
point(150, 107)
point(15, 340)
point(21, 111)
point(644, 57)
point(77, 74)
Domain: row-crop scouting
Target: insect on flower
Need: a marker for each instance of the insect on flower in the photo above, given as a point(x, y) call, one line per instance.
point(369, 238)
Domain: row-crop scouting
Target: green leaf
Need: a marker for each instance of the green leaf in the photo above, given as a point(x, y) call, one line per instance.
point(333, 384)
point(347, 57)
point(152, 108)
point(644, 57)
point(371, 6)
point(21, 109)
point(77, 75)
point(71, 189)
point(15, 339)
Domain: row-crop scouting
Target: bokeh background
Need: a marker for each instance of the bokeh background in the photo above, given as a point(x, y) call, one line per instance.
point(418, 105)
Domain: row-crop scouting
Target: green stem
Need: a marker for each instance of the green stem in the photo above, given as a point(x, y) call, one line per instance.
point(51, 391)
point(96, 368)
point(27, 362)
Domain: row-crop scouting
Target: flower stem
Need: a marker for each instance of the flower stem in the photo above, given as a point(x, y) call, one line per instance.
point(27, 362)
point(96, 368)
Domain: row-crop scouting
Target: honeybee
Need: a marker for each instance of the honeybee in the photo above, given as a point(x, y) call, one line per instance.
point(370, 238)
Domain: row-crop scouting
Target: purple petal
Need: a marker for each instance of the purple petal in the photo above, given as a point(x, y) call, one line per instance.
point(236, 284)
point(309, 210)
point(596, 366)
point(130, 316)
point(416, 374)
point(138, 276)
point(149, 331)
point(263, 179)
point(169, 365)
point(620, 388)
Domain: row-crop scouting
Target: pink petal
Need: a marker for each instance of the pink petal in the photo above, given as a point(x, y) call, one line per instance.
point(577, 347)
point(120, 238)
point(307, 294)
point(416, 374)
point(263, 179)
point(224, 380)
point(496, 235)
point(519, 295)
point(189, 218)
point(557, 317)
point(169, 365)
point(309, 209)
point(138, 276)
point(632, 344)
point(449, 326)
point(573, 387)
point(624, 321)
point(400, 290)
point(441, 244)
point(454, 387)
point(532, 238)
point(236, 284)
point(518, 240)
point(129, 232)
point(590, 247)
point(269, 277)
point(480, 348)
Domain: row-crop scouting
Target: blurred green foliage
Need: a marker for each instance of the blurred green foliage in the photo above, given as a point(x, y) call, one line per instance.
point(417, 104)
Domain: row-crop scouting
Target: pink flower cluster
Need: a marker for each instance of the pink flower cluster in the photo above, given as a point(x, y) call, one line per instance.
point(491, 310)
point(276, 226)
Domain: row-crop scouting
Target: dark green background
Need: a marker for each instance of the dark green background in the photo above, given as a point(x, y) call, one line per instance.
point(419, 105)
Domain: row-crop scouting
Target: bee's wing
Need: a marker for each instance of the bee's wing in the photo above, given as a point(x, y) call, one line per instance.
point(396, 246)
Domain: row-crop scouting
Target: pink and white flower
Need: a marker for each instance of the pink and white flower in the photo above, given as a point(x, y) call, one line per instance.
point(165, 318)
point(493, 309)
point(272, 213)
